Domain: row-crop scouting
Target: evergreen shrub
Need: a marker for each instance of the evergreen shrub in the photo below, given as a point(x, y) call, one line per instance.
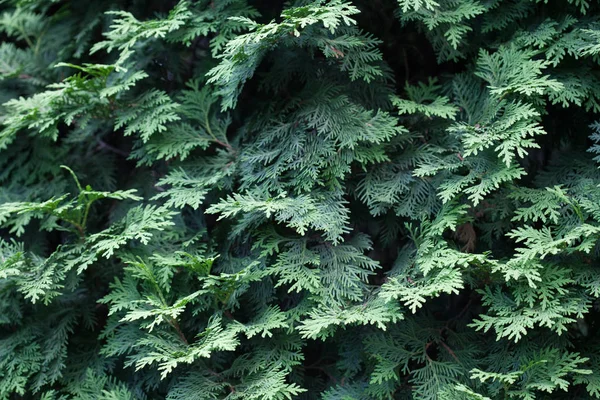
point(308, 199)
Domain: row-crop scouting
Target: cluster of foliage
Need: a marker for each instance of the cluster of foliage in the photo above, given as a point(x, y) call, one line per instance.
point(312, 199)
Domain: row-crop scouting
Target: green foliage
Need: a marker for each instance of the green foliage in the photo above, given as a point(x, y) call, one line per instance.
point(239, 199)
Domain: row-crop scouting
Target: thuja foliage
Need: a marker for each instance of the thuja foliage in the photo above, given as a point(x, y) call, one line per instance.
point(312, 199)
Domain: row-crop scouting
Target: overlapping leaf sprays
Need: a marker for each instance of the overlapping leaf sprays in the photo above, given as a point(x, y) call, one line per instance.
point(199, 202)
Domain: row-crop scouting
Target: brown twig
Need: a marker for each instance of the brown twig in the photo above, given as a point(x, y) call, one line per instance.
point(175, 325)
point(104, 145)
point(452, 353)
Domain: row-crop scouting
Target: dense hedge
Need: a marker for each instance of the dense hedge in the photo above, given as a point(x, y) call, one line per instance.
point(327, 199)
